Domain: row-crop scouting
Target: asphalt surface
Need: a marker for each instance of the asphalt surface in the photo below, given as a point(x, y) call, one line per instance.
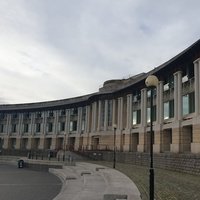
point(24, 184)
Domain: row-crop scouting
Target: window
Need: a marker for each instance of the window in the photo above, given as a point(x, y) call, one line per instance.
point(38, 114)
point(14, 128)
point(83, 125)
point(1, 128)
point(185, 104)
point(136, 117)
point(26, 115)
point(26, 128)
point(74, 111)
point(63, 112)
point(14, 115)
point(51, 114)
point(50, 127)
point(169, 109)
point(2, 116)
point(73, 126)
point(62, 126)
point(38, 127)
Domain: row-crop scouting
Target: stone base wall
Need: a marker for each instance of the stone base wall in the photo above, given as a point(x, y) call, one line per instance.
point(189, 163)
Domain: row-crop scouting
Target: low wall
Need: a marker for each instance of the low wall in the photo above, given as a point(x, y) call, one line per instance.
point(189, 163)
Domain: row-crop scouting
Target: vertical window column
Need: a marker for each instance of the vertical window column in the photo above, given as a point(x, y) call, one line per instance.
point(129, 111)
point(197, 85)
point(178, 104)
point(143, 107)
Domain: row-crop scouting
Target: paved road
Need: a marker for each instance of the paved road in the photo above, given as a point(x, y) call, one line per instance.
point(24, 184)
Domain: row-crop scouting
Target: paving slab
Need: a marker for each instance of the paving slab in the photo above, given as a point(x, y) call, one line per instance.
point(87, 181)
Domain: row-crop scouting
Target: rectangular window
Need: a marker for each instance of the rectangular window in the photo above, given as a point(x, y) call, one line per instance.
point(73, 126)
point(83, 125)
point(149, 114)
point(50, 127)
point(26, 126)
point(191, 102)
point(1, 128)
point(63, 112)
point(62, 126)
point(38, 127)
point(14, 128)
point(14, 115)
point(136, 117)
point(166, 110)
point(51, 114)
point(185, 104)
point(38, 114)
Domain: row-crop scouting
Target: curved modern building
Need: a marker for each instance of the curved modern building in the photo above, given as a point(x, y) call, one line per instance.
point(86, 122)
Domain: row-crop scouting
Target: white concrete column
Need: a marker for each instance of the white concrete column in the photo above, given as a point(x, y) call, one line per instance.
point(88, 110)
point(120, 113)
point(79, 120)
point(197, 85)
point(20, 124)
point(144, 107)
point(99, 116)
point(94, 116)
point(159, 103)
point(55, 123)
point(8, 124)
point(67, 121)
point(129, 111)
point(106, 116)
point(32, 124)
point(178, 102)
point(114, 119)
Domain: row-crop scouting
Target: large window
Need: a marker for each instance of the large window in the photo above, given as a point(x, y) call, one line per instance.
point(169, 109)
point(136, 117)
point(1, 128)
point(38, 127)
point(50, 127)
point(188, 103)
point(26, 128)
point(14, 128)
point(73, 126)
point(62, 126)
point(149, 114)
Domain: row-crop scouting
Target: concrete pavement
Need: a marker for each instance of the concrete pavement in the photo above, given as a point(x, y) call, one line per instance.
point(87, 181)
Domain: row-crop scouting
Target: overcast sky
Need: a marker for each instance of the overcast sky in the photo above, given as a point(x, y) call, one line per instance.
point(56, 49)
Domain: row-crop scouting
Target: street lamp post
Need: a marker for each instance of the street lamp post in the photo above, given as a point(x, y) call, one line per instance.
point(114, 149)
point(151, 82)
